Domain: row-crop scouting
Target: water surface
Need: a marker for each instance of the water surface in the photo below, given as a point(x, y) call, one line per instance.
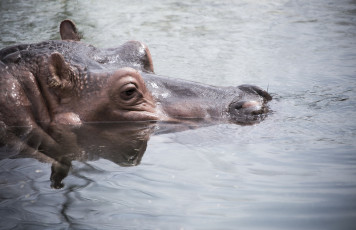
point(294, 170)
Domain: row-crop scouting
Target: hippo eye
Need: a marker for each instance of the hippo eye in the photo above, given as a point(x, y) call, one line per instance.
point(128, 92)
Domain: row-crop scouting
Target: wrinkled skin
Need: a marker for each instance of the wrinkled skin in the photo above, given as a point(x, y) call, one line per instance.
point(52, 92)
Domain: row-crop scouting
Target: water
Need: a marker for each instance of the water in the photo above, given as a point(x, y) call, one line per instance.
point(295, 170)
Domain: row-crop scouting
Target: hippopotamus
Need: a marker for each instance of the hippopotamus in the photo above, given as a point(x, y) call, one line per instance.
point(49, 86)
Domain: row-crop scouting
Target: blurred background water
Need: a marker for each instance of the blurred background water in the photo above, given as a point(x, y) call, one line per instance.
point(294, 170)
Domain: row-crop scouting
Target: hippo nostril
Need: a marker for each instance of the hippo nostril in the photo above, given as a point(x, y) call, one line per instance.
point(237, 105)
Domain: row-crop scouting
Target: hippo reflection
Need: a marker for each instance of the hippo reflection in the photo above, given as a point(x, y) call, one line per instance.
point(121, 143)
point(52, 93)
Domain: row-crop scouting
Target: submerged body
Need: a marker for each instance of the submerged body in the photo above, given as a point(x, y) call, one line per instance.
point(49, 86)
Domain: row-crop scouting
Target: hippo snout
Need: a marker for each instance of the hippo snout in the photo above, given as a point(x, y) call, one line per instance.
point(251, 107)
point(247, 112)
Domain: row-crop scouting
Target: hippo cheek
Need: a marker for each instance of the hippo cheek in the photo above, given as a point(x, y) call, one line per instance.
point(247, 112)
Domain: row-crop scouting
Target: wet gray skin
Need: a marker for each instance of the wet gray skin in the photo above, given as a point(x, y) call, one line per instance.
point(51, 91)
point(182, 100)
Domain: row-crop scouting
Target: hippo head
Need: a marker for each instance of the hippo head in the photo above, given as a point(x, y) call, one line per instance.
point(133, 96)
point(127, 94)
point(119, 84)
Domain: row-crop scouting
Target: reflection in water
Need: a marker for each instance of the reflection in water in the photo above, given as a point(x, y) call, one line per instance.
point(121, 143)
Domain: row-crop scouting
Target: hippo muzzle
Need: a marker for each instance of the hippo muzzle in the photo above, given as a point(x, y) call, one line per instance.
point(249, 107)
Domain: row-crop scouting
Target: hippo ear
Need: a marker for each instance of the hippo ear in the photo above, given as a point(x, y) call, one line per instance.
point(137, 52)
point(148, 63)
point(60, 72)
point(68, 31)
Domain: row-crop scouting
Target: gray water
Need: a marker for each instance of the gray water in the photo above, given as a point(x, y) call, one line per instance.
point(294, 170)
